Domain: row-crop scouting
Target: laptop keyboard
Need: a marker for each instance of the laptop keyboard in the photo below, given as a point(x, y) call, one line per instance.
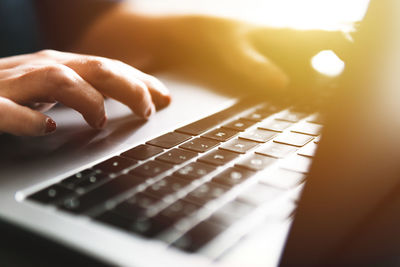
point(189, 186)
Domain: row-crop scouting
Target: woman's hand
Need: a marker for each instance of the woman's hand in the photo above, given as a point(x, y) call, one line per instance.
point(222, 52)
point(39, 80)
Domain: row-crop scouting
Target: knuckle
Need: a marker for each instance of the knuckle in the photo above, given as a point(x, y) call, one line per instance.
point(59, 76)
point(100, 68)
point(4, 104)
point(142, 95)
point(152, 81)
point(98, 102)
point(118, 62)
point(46, 53)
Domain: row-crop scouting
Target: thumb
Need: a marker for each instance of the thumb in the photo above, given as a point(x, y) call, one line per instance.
point(298, 44)
point(20, 120)
point(293, 51)
point(260, 70)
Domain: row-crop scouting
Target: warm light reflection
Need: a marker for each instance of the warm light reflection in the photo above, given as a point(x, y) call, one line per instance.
point(299, 14)
point(328, 63)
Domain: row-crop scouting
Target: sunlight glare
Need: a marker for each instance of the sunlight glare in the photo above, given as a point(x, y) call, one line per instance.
point(328, 63)
point(304, 14)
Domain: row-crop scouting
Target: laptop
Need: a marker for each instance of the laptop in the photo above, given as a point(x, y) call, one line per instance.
point(215, 179)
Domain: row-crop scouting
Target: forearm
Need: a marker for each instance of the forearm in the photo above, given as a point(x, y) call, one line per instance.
point(62, 22)
point(121, 33)
point(173, 42)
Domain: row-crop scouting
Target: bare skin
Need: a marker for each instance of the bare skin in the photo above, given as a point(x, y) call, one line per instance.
point(78, 81)
point(222, 52)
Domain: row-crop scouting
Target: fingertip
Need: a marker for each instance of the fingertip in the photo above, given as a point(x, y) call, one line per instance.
point(159, 92)
point(160, 86)
point(149, 112)
point(165, 101)
point(103, 122)
point(50, 126)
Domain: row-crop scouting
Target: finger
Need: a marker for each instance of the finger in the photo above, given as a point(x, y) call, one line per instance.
point(257, 70)
point(41, 57)
point(293, 51)
point(115, 81)
point(159, 92)
point(19, 120)
point(13, 61)
point(299, 43)
point(57, 83)
point(42, 107)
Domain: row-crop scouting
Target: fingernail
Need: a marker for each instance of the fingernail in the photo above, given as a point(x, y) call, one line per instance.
point(50, 126)
point(102, 122)
point(167, 100)
point(150, 111)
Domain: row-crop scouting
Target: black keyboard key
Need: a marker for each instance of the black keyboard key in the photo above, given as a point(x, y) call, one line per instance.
point(151, 169)
point(203, 125)
point(129, 211)
point(240, 146)
point(199, 236)
point(231, 213)
point(138, 206)
point(142, 225)
point(275, 125)
point(239, 125)
point(256, 162)
point(142, 152)
point(293, 139)
point(148, 227)
point(115, 164)
point(205, 193)
point(257, 135)
point(232, 176)
point(91, 182)
point(276, 150)
point(177, 156)
point(282, 178)
point(317, 118)
point(221, 134)
point(113, 219)
point(167, 186)
point(194, 170)
point(297, 163)
point(309, 150)
point(291, 116)
point(175, 212)
point(52, 195)
point(307, 128)
point(200, 144)
point(169, 140)
point(178, 210)
point(101, 194)
point(259, 194)
point(260, 114)
point(218, 157)
point(142, 201)
point(73, 180)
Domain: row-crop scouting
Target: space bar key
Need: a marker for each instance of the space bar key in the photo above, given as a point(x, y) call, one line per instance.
point(102, 193)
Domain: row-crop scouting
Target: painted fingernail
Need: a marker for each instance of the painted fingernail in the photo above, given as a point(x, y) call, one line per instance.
point(103, 122)
point(50, 126)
